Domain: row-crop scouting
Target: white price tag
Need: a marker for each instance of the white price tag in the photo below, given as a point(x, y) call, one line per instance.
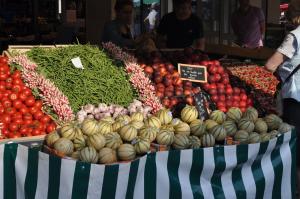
point(77, 63)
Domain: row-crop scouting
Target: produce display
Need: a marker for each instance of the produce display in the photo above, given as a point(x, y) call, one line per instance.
point(127, 137)
point(21, 114)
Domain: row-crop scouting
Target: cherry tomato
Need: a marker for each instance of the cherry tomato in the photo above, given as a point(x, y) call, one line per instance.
point(26, 91)
point(5, 118)
point(50, 128)
point(24, 110)
point(10, 110)
point(27, 123)
point(1, 109)
point(3, 76)
point(3, 60)
point(16, 88)
point(17, 82)
point(45, 119)
point(18, 121)
point(36, 132)
point(38, 104)
point(6, 103)
point(13, 127)
point(8, 85)
point(17, 115)
point(13, 96)
point(30, 101)
point(2, 87)
point(5, 132)
point(27, 116)
point(22, 96)
point(7, 93)
point(16, 74)
point(17, 104)
point(38, 115)
point(23, 131)
point(33, 109)
point(14, 135)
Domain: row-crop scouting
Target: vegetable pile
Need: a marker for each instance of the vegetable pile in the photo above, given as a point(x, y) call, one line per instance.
point(21, 114)
point(100, 80)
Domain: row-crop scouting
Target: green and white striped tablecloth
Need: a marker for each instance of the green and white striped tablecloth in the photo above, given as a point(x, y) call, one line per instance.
point(259, 171)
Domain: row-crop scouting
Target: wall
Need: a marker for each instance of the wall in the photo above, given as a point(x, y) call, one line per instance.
point(273, 11)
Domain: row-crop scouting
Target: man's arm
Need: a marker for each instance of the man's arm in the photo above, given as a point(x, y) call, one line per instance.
point(274, 62)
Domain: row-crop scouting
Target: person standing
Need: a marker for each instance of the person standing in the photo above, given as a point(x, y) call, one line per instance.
point(285, 62)
point(152, 17)
point(118, 30)
point(248, 24)
point(181, 28)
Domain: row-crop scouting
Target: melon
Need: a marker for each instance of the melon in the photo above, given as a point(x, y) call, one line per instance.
point(264, 137)
point(107, 156)
point(108, 119)
point(261, 126)
point(153, 122)
point(124, 118)
point(284, 128)
point(195, 142)
point(246, 125)
point(251, 114)
point(209, 124)
point(137, 116)
point(128, 133)
point(88, 154)
point(105, 127)
point(218, 132)
point(52, 138)
point(165, 137)
point(189, 114)
point(181, 141)
point(175, 121)
point(230, 127)
point(254, 138)
point(242, 136)
point(113, 140)
point(75, 155)
point(117, 125)
point(96, 141)
point(64, 145)
point(126, 152)
point(197, 128)
point(234, 114)
point(79, 143)
point(182, 128)
point(218, 116)
point(273, 134)
point(273, 122)
point(168, 127)
point(71, 130)
point(148, 133)
point(165, 116)
point(137, 124)
point(141, 145)
point(90, 127)
point(208, 140)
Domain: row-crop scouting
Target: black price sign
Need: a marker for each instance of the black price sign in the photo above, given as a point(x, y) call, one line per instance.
point(200, 101)
point(193, 73)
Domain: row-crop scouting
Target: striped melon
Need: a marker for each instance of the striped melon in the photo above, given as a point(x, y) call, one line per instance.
point(195, 142)
point(218, 132)
point(273, 122)
point(88, 154)
point(208, 140)
point(175, 121)
point(96, 141)
point(261, 126)
point(126, 152)
point(165, 116)
point(117, 125)
point(218, 116)
point(79, 143)
point(230, 127)
point(246, 125)
point(128, 133)
point(242, 136)
point(153, 122)
point(234, 114)
point(141, 145)
point(209, 124)
point(165, 137)
point(124, 118)
point(149, 133)
point(197, 128)
point(75, 155)
point(273, 134)
point(137, 116)
point(251, 114)
point(168, 127)
point(107, 156)
point(105, 127)
point(182, 128)
point(71, 130)
point(137, 124)
point(113, 140)
point(90, 127)
point(254, 138)
point(52, 138)
point(284, 128)
point(108, 119)
point(64, 145)
point(264, 137)
point(181, 141)
point(189, 114)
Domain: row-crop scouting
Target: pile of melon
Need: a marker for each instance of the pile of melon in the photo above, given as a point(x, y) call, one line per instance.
point(128, 136)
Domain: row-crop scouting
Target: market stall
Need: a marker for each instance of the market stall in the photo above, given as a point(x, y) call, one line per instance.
point(202, 129)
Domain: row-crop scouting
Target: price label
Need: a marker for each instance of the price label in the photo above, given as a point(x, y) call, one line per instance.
point(193, 73)
point(77, 63)
point(200, 103)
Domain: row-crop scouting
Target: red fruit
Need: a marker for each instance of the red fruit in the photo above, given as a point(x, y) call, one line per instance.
point(217, 77)
point(168, 93)
point(220, 70)
point(243, 97)
point(187, 92)
point(155, 66)
point(221, 91)
point(214, 98)
point(10, 110)
point(187, 83)
point(222, 98)
point(243, 104)
point(45, 119)
point(236, 90)
point(229, 103)
point(220, 104)
point(158, 94)
point(206, 86)
point(178, 92)
point(220, 86)
point(158, 79)
point(249, 102)
point(148, 70)
point(236, 98)
point(212, 69)
point(236, 104)
point(170, 68)
point(166, 102)
point(173, 101)
point(204, 63)
point(212, 91)
point(215, 62)
point(243, 109)
point(196, 90)
point(13, 97)
point(177, 82)
point(211, 79)
point(6, 103)
point(228, 91)
point(225, 80)
point(175, 74)
point(163, 71)
point(213, 86)
point(168, 82)
point(30, 101)
point(189, 100)
point(223, 109)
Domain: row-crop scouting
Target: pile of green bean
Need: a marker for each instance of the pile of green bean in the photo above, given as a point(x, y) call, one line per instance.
point(100, 80)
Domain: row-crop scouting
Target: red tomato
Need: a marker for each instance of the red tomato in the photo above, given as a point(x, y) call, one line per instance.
point(5, 118)
point(220, 70)
point(13, 96)
point(17, 115)
point(34, 109)
point(213, 86)
point(236, 90)
point(17, 82)
point(27, 116)
point(214, 98)
point(8, 85)
point(18, 121)
point(5, 132)
point(7, 93)
point(16, 74)
point(26, 91)
point(17, 104)
point(243, 97)
point(14, 135)
point(13, 127)
point(236, 104)
point(222, 98)
point(229, 103)
point(243, 104)
point(6, 103)
point(206, 86)
point(24, 131)
point(10, 110)
point(189, 100)
point(38, 115)
point(2, 87)
point(51, 127)
point(3, 60)
point(36, 132)
point(2, 109)
point(212, 91)
point(3, 76)
point(236, 98)
point(24, 110)
point(228, 91)
point(223, 109)
point(27, 122)
point(22, 96)
point(16, 88)
point(30, 101)
point(217, 77)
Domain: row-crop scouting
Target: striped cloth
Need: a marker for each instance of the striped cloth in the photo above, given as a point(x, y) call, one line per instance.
point(260, 171)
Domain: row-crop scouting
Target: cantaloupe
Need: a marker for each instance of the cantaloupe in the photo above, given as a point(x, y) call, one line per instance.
point(210, 124)
point(165, 137)
point(251, 114)
point(113, 140)
point(165, 116)
point(141, 145)
point(126, 152)
point(230, 127)
point(195, 142)
point(234, 114)
point(198, 128)
point(218, 116)
point(254, 138)
point(88, 154)
point(273, 122)
point(261, 126)
point(246, 125)
point(181, 141)
point(149, 133)
point(208, 140)
point(218, 132)
point(182, 128)
point(242, 136)
point(189, 114)
point(128, 133)
point(107, 156)
point(153, 122)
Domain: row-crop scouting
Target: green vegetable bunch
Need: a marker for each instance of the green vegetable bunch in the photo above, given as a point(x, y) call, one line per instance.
point(99, 81)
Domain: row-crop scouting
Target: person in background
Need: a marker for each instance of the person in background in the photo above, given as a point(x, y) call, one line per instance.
point(285, 61)
point(152, 17)
point(181, 28)
point(118, 30)
point(248, 24)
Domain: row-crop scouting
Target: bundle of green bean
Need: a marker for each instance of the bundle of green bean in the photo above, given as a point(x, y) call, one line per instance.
point(99, 81)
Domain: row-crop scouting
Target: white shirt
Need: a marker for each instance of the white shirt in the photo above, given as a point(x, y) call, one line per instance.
point(152, 17)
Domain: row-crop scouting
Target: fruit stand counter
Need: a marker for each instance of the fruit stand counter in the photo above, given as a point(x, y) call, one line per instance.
point(262, 170)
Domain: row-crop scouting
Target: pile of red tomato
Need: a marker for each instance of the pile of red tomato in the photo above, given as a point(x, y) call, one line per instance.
point(20, 113)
